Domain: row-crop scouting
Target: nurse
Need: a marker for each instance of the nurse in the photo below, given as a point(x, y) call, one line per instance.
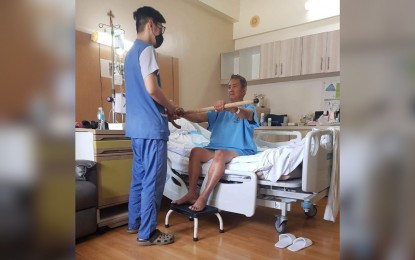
point(147, 112)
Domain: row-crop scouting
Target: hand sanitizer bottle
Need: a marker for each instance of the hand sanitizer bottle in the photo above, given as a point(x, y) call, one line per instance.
point(262, 120)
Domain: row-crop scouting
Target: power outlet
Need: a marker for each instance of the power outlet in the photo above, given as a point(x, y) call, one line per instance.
point(106, 67)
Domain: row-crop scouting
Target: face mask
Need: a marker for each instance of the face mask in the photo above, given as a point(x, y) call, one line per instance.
point(159, 40)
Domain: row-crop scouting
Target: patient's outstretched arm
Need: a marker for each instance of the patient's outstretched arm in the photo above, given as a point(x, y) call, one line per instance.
point(197, 117)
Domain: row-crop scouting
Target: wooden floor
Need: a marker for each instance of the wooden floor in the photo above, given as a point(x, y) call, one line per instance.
point(244, 238)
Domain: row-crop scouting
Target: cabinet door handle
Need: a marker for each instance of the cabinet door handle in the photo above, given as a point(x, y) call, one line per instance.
point(328, 63)
point(276, 70)
point(281, 68)
point(112, 139)
point(321, 64)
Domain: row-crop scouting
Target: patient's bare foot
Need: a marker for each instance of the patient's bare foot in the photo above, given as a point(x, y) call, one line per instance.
point(188, 198)
point(199, 205)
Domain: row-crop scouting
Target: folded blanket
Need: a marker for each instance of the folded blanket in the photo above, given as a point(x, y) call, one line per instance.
point(280, 161)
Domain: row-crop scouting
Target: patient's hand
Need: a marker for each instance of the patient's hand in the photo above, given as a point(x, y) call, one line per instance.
point(179, 112)
point(219, 105)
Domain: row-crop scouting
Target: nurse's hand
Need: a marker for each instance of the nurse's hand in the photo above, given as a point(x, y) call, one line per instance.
point(171, 117)
point(179, 112)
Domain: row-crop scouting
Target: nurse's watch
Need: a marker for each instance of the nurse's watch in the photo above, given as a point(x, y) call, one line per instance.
point(238, 111)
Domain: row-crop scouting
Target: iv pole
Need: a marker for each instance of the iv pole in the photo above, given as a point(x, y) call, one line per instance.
point(112, 26)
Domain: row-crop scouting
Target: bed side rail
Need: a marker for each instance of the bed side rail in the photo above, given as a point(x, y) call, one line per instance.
point(174, 188)
point(263, 139)
point(317, 161)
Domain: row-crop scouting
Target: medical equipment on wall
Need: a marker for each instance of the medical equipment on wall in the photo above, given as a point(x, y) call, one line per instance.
point(261, 100)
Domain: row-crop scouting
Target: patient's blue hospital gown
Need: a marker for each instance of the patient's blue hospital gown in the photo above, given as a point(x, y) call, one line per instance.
point(231, 133)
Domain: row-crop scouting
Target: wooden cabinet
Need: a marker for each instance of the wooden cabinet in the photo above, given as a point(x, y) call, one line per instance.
point(308, 55)
point(321, 53)
point(169, 76)
point(281, 59)
point(333, 51)
point(113, 154)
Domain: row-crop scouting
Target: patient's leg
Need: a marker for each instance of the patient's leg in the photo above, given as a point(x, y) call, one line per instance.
point(216, 171)
point(198, 156)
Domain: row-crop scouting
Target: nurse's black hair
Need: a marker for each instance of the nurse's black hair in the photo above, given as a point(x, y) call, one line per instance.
point(143, 14)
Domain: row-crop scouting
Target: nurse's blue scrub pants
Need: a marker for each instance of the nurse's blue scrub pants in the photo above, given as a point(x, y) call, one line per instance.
point(147, 184)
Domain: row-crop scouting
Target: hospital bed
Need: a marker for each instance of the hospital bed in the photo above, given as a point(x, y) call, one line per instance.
point(244, 188)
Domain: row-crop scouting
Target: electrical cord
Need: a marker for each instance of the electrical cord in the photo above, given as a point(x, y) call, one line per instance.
point(100, 75)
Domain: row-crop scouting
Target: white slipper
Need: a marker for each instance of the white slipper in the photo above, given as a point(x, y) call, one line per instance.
point(300, 243)
point(285, 240)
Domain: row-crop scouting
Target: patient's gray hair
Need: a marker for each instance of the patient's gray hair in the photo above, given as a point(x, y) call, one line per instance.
point(242, 80)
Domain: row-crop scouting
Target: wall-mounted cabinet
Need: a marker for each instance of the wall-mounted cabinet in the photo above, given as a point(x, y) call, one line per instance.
point(245, 62)
point(227, 65)
point(281, 59)
point(304, 57)
point(321, 53)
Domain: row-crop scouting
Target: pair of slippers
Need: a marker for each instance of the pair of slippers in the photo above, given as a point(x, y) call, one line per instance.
point(292, 243)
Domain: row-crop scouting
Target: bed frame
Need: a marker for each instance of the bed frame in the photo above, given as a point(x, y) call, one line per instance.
point(241, 192)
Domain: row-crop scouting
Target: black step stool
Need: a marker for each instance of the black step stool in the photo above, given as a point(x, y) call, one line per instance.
point(184, 209)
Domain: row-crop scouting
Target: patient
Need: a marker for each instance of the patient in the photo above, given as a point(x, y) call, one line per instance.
point(232, 134)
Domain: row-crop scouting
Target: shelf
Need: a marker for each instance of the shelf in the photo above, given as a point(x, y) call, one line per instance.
point(113, 216)
point(245, 62)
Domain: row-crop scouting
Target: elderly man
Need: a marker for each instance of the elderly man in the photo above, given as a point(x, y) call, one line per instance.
point(232, 135)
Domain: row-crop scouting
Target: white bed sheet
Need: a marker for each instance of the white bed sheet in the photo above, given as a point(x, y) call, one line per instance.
point(270, 164)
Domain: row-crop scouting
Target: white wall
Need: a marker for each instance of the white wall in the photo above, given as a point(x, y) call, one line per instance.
point(294, 98)
point(280, 14)
point(229, 8)
point(195, 35)
point(325, 25)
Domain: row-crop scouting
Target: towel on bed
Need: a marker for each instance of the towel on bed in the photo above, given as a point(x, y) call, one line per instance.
point(281, 161)
point(190, 135)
